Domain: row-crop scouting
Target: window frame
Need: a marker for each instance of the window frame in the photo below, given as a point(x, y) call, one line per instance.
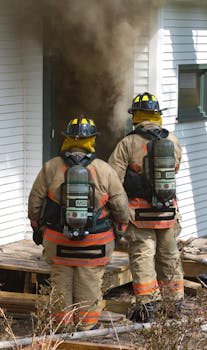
point(192, 88)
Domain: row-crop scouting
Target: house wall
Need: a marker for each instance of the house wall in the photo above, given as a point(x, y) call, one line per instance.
point(184, 40)
point(180, 34)
point(20, 120)
point(175, 35)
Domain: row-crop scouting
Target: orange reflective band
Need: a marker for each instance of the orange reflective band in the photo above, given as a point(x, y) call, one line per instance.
point(144, 147)
point(91, 313)
point(146, 288)
point(124, 227)
point(103, 214)
point(142, 203)
point(93, 239)
point(142, 285)
point(154, 224)
point(64, 168)
point(92, 172)
point(139, 203)
point(65, 317)
point(145, 292)
point(50, 194)
point(173, 285)
point(80, 262)
point(104, 199)
point(135, 167)
point(89, 317)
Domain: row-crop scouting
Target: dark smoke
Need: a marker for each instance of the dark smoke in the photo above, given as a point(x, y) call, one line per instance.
point(90, 47)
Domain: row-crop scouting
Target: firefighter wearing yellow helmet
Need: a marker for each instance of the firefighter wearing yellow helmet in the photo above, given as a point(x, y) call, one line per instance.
point(146, 161)
point(73, 209)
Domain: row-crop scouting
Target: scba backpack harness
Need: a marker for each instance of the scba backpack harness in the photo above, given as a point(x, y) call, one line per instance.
point(156, 183)
point(75, 217)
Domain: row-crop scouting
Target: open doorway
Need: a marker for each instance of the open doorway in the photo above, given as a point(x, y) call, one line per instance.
point(66, 95)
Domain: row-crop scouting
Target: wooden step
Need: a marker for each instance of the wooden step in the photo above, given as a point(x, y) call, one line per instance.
point(21, 303)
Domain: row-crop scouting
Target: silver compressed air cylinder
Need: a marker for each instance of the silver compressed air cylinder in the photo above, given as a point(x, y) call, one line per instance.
point(164, 169)
point(77, 191)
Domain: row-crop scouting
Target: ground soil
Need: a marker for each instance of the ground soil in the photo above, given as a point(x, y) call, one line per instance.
point(177, 334)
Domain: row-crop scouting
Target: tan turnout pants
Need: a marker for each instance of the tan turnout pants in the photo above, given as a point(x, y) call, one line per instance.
point(80, 289)
point(155, 264)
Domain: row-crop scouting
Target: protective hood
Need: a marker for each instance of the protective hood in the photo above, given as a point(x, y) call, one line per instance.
point(142, 116)
point(87, 143)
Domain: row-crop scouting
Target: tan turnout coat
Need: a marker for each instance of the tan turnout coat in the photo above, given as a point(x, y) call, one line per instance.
point(130, 151)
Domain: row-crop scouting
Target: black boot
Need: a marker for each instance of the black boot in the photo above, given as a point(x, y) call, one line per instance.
point(177, 310)
point(171, 309)
point(143, 313)
point(98, 325)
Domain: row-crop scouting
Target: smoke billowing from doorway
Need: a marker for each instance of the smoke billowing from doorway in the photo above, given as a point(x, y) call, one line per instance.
point(90, 44)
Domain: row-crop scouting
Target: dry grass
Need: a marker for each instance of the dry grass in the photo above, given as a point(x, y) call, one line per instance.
point(165, 334)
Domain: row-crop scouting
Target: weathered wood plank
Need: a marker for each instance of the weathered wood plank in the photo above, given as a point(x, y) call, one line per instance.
point(202, 258)
point(26, 256)
point(192, 288)
point(21, 303)
point(193, 268)
point(90, 346)
point(79, 346)
point(116, 306)
point(10, 262)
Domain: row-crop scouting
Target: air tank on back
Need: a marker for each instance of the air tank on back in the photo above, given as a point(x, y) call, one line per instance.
point(164, 171)
point(77, 191)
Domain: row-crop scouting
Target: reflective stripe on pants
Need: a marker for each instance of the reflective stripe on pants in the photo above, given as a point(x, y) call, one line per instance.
point(155, 262)
point(80, 292)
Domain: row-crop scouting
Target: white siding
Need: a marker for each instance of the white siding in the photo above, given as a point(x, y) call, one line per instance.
point(178, 35)
point(20, 113)
point(184, 41)
point(33, 116)
point(141, 63)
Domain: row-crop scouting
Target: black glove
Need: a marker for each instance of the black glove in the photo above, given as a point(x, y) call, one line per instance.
point(37, 235)
point(118, 230)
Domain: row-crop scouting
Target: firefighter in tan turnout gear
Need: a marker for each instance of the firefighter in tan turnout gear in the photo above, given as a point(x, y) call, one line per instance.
point(77, 200)
point(146, 161)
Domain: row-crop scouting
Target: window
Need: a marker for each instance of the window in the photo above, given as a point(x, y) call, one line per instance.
point(192, 92)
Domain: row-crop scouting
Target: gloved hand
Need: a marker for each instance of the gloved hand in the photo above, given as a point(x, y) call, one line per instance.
point(119, 234)
point(119, 231)
point(37, 235)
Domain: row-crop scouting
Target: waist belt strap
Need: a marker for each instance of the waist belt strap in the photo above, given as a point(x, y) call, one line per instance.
point(140, 217)
point(93, 252)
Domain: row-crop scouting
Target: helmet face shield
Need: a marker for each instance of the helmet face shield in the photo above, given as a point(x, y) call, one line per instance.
point(81, 127)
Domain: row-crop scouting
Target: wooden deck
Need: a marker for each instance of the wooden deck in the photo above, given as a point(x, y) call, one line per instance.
point(27, 257)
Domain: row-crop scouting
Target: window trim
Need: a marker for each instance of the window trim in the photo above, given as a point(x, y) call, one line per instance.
point(196, 112)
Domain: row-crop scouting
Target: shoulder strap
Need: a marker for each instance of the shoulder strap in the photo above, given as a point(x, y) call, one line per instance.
point(77, 159)
point(150, 134)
